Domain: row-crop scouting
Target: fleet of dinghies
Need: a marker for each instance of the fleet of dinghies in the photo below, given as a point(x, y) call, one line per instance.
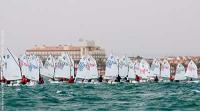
point(30, 70)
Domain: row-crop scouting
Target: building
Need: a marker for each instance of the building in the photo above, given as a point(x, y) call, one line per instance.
point(75, 51)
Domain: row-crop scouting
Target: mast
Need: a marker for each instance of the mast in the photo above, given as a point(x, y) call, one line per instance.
point(70, 63)
point(54, 65)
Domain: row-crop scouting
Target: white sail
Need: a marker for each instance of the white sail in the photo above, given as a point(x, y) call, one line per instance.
point(24, 64)
point(82, 68)
point(48, 67)
point(132, 71)
point(165, 69)
point(180, 72)
point(124, 66)
point(111, 67)
point(92, 68)
point(62, 69)
point(155, 68)
point(144, 69)
point(11, 70)
point(33, 71)
point(137, 68)
point(191, 70)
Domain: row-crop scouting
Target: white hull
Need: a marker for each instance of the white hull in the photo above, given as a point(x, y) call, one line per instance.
point(55, 82)
point(32, 83)
point(133, 82)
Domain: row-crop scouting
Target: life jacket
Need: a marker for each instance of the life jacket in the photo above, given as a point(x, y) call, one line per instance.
point(24, 80)
point(137, 78)
point(71, 80)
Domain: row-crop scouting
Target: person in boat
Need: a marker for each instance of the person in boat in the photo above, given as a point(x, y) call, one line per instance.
point(62, 79)
point(41, 80)
point(118, 79)
point(100, 79)
point(83, 80)
point(137, 78)
point(90, 80)
point(24, 80)
point(171, 78)
point(126, 79)
point(5, 81)
point(71, 79)
point(156, 79)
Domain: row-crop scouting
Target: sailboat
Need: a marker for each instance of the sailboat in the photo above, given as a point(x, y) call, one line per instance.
point(144, 70)
point(112, 69)
point(137, 68)
point(87, 70)
point(63, 68)
point(180, 73)
point(165, 70)
point(82, 70)
point(11, 69)
point(33, 70)
point(191, 72)
point(24, 64)
point(155, 68)
point(93, 72)
point(132, 71)
point(48, 69)
point(124, 67)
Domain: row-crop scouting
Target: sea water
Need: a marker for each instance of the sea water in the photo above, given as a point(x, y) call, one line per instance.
point(103, 97)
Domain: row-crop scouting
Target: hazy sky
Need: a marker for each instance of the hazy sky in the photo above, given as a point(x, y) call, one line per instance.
point(132, 27)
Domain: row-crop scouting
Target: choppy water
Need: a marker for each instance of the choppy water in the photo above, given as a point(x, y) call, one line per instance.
point(100, 97)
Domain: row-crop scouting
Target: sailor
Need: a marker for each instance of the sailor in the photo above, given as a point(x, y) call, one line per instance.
point(90, 80)
point(137, 78)
point(41, 81)
point(83, 80)
point(126, 80)
point(171, 78)
point(71, 79)
point(100, 79)
point(156, 79)
point(3, 80)
point(24, 80)
point(118, 79)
